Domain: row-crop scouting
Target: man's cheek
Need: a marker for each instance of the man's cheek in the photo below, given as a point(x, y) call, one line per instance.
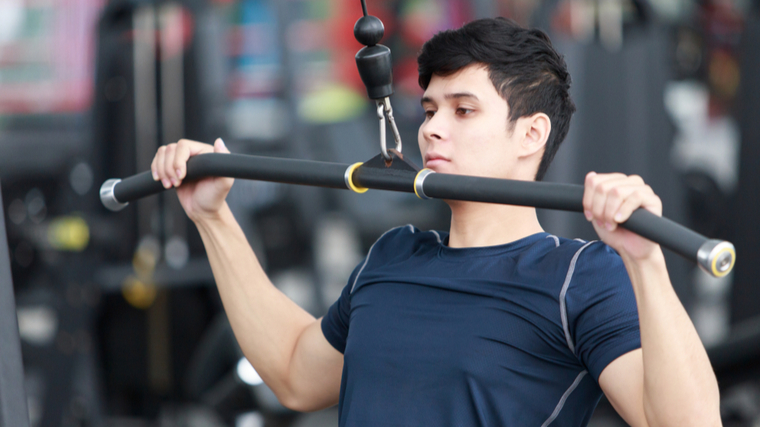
point(421, 142)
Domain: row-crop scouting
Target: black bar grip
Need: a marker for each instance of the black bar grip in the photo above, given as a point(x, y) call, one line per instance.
point(714, 256)
point(547, 195)
point(115, 194)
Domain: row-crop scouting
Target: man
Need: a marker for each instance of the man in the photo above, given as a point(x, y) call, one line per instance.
point(496, 322)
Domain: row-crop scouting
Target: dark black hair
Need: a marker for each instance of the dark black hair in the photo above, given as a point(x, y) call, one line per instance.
point(522, 64)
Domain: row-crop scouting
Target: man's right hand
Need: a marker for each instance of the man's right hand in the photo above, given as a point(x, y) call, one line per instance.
point(200, 199)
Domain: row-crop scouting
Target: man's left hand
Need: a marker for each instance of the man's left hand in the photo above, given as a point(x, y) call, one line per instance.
point(609, 200)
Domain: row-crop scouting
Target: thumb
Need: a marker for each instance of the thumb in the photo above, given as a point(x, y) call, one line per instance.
point(219, 146)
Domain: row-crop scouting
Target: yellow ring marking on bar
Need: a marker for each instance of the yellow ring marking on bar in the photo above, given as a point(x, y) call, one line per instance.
point(350, 182)
point(714, 266)
point(415, 182)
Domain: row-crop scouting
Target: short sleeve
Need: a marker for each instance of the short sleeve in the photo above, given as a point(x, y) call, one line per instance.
point(601, 308)
point(335, 322)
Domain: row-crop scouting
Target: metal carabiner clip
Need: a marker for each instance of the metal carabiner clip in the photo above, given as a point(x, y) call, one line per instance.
point(394, 128)
point(381, 117)
point(384, 109)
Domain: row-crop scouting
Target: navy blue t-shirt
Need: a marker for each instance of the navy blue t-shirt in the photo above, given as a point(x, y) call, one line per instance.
point(508, 335)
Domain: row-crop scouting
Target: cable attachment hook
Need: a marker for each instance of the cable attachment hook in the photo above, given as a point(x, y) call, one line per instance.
point(384, 110)
point(374, 64)
point(381, 117)
point(389, 113)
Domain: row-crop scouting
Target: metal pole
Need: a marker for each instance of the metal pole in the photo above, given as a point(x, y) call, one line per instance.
point(13, 410)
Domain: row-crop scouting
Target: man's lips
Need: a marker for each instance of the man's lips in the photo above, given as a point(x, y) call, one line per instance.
point(434, 159)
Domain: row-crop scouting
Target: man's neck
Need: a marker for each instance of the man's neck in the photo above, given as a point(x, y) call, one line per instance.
point(486, 224)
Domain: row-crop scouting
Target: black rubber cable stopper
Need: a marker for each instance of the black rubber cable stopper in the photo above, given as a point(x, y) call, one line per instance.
point(373, 60)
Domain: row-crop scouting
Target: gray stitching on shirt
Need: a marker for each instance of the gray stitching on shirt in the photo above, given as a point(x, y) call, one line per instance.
point(564, 397)
point(370, 252)
point(562, 304)
point(437, 236)
point(556, 239)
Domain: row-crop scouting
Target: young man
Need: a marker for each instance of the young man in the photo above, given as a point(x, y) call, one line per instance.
point(496, 322)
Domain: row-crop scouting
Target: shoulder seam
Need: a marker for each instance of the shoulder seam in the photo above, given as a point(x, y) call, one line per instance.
point(366, 259)
point(563, 295)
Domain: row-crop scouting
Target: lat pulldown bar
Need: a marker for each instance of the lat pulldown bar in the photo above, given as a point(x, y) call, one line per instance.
point(716, 257)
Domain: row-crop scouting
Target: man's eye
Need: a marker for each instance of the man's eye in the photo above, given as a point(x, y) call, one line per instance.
point(429, 113)
point(464, 111)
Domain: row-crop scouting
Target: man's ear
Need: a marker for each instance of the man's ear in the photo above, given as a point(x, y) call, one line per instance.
point(535, 132)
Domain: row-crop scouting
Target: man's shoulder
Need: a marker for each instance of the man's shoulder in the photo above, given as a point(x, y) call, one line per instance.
point(403, 241)
point(541, 247)
point(578, 257)
point(587, 249)
point(592, 263)
point(407, 234)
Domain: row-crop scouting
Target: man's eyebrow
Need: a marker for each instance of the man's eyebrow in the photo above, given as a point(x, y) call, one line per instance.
point(457, 95)
point(460, 95)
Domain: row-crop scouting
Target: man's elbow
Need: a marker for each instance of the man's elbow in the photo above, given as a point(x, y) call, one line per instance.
point(301, 403)
point(706, 410)
point(691, 420)
point(292, 402)
point(304, 397)
point(698, 411)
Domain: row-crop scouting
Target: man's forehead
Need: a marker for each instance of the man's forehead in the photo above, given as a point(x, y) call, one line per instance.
point(470, 82)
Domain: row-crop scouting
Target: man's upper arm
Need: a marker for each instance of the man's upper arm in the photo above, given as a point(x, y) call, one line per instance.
point(317, 363)
point(622, 381)
point(603, 321)
point(315, 371)
point(602, 316)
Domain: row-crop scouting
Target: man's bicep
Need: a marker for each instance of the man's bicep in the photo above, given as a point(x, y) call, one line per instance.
point(316, 370)
point(622, 381)
point(317, 363)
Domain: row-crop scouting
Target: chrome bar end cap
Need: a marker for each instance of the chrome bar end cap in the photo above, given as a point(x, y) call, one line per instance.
point(716, 257)
point(107, 197)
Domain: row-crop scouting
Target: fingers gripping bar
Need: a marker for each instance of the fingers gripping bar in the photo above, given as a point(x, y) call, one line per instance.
point(716, 257)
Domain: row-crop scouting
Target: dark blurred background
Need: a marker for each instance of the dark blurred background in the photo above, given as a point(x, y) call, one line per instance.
point(119, 319)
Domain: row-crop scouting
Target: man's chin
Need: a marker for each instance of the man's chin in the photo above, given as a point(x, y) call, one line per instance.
point(439, 166)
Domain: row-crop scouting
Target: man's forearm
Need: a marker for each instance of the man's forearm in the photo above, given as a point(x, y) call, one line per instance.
point(679, 384)
point(266, 323)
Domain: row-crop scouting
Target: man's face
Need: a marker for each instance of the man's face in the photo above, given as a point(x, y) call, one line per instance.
point(466, 129)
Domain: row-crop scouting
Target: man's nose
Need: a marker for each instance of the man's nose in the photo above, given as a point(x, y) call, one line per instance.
point(435, 127)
